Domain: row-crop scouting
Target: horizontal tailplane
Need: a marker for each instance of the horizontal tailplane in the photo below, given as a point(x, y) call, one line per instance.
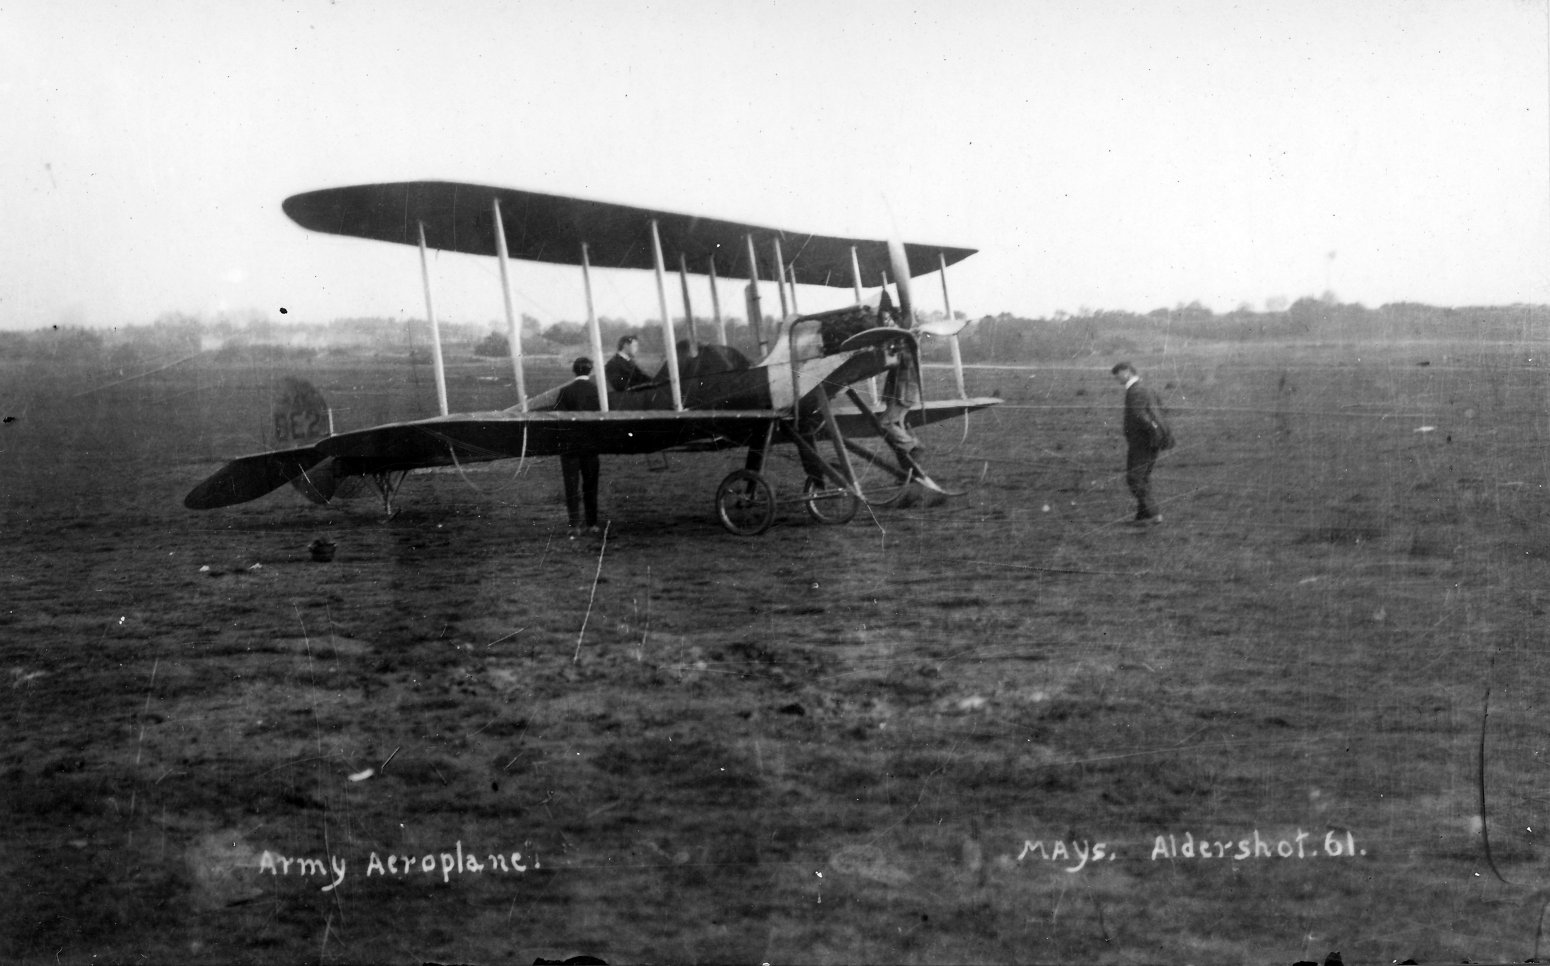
point(250, 477)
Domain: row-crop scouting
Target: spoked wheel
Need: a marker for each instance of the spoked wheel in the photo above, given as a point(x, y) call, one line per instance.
point(745, 504)
point(890, 492)
point(884, 485)
point(829, 504)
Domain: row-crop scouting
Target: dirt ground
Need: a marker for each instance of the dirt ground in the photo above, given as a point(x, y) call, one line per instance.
point(1009, 728)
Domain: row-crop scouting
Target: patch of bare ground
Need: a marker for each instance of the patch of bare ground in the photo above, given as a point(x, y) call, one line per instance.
point(1008, 727)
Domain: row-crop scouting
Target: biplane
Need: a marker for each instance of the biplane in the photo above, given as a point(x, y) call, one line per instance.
point(708, 394)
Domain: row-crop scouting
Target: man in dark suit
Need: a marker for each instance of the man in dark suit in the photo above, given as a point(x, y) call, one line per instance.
point(621, 371)
point(580, 467)
point(1146, 435)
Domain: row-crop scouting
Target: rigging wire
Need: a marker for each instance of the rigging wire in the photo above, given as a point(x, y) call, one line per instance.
point(521, 467)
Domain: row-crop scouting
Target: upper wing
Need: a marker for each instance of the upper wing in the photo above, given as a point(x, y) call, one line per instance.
point(552, 228)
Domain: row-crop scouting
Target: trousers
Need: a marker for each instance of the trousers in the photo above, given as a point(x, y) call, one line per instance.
point(580, 471)
point(1139, 461)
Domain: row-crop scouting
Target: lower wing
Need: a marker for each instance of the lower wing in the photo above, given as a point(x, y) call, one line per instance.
point(480, 437)
point(471, 438)
point(855, 423)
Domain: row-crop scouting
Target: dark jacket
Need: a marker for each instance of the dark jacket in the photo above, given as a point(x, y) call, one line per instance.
point(1145, 426)
point(623, 374)
point(578, 395)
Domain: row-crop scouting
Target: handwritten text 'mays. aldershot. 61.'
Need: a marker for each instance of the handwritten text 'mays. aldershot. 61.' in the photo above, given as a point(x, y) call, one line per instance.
point(1074, 855)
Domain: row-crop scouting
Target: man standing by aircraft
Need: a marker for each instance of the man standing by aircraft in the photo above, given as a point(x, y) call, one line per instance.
point(1146, 436)
point(901, 393)
point(622, 372)
point(580, 468)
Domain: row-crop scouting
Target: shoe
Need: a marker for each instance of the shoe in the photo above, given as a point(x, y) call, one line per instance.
point(594, 530)
point(573, 532)
point(1153, 520)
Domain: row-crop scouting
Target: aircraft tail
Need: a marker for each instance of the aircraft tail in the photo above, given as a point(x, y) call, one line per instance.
point(250, 477)
point(300, 418)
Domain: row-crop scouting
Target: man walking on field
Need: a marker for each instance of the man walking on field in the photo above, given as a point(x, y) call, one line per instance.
point(1146, 436)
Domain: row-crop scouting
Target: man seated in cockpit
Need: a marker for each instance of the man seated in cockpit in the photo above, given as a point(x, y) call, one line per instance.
point(621, 371)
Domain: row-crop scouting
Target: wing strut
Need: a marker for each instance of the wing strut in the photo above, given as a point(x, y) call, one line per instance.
point(683, 283)
point(669, 344)
point(513, 330)
point(715, 305)
point(780, 278)
point(430, 311)
point(598, 375)
point(755, 314)
point(839, 442)
point(952, 340)
point(855, 281)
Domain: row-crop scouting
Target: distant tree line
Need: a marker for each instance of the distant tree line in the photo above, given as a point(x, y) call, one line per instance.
point(992, 338)
point(1009, 338)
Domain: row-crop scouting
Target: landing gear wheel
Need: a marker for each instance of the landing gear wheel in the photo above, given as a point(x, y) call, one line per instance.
point(745, 504)
point(829, 504)
point(894, 493)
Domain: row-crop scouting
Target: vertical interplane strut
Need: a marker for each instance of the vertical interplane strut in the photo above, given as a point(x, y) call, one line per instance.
point(513, 328)
point(952, 340)
point(594, 332)
point(755, 313)
point(683, 283)
point(715, 305)
point(430, 311)
point(669, 343)
point(780, 277)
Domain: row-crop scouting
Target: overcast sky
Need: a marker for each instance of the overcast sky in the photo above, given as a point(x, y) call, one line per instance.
point(1099, 154)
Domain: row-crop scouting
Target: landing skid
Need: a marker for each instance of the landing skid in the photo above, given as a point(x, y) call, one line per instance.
point(884, 495)
point(910, 469)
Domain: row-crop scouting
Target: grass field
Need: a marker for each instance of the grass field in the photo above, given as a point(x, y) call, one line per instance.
point(994, 730)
